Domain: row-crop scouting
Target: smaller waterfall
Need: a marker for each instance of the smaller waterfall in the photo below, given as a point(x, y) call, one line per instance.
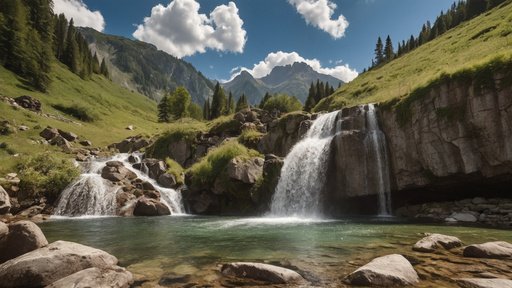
point(375, 143)
point(91, 195)
point(303, 173)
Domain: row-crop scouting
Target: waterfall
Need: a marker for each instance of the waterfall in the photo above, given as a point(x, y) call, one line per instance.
point(91, 195)
point(375, 142)
point(303, 173)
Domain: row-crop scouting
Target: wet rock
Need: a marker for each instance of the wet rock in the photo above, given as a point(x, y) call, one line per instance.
point(130, 144)
point(245, 170)
point(263, 272)
point(23, 237)
point(133, 159)
point(169, 280)
point(29, 103)
point(86, 143)
point(463, 217)
point(5, 203)
point(46, 265)
point(3, 232)
point(113, 277)
point(49, 133)
point(155, 167)
point(150, 207)
point(152, 194)
point(167, 180)
point(81, 158)
point(484, 283)
point(115, 172)
point(495, 250)
point(389, 270)
point(70, 136)
point(435, 241)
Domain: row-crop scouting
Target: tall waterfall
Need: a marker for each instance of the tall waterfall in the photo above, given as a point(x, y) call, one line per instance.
point(91, 195)
point(303, 173)
point(375, 142)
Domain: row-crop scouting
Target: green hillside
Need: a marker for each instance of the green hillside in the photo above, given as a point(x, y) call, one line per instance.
point(473, 43)
point(111, 107)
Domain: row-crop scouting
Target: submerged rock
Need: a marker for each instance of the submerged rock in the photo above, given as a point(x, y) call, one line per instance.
point(484, 283)
point(23, 237)
point(495, 250)
point(46, 265)
point(389, 270)
point(113, 277)
point(263, 272)
point(434, 241)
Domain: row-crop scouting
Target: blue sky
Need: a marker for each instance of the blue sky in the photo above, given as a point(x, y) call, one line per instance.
point(275, 25)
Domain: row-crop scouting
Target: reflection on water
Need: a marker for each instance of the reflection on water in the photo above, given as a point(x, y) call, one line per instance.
point(189, 245)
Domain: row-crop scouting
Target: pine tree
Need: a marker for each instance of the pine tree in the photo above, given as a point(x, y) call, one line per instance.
point(327, 90)
point(379, 52)
point(206, 109)
point(164, 114)
point(264, 100)
point(104, 69)
point(474, 8)
point(310, 101)
point(241, 103)
point(230, 104)
point(61, 28)
point(71, 57)
point(218, 102)
point(389, 53)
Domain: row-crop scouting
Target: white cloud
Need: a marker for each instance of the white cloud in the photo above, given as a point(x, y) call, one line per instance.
point(280, 58)
point(180, 30)
point(319, 13)
point(82, 16)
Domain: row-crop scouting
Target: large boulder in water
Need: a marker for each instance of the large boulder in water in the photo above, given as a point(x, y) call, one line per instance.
point(433, 241)
point(46, 265)
point(150, 207)
point(390, 270)
point(245, 170)
point(167, 180)
point(130, 144)
point(113, 277)
point(23, 237)
point(495, 250)
point(115, 172)
point(155, 167)
point(262, 272)
point(5, 203)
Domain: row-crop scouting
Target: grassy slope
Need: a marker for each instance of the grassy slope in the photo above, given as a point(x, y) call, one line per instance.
point(114, 106)
point(472, 43)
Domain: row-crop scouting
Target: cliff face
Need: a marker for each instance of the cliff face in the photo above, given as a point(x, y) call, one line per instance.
point(458, 129)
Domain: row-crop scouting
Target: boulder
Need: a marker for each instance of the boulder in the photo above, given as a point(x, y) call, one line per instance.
point(130, 144)
point(167, 180)
point(23, 128)
point(46, 265)
point(155, 167)
point(86, 143)
point(495, 250)
point(484, 283)
point(29, 103)
point(390, 270)
point(23, 237)
point(115, 172)
point(251, 116)
point(130, 127)
point(150, 207)
point(435, 241)
point(70, 136)
point(3, 231)
point(239, 117)
point(463, 217)
point(245, 170)
point(5, 203)
point(114, 277)
point(49, 133)
point(61, 142)
point(262, 272)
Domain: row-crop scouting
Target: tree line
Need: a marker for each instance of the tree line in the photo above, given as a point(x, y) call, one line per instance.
point(459, 12)
point(178, 104)
point(32, 36)
point(318, 92)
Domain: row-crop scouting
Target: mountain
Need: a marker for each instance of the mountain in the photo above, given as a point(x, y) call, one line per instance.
point(292, 79)
point(142, 67)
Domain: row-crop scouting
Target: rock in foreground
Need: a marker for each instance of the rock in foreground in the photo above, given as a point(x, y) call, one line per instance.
point(389, 270)
point(114, 277)
point(23, 237)
point(435, 241)
point(484, 283)
point(262, 272)
point(46, 265)
point(150, 207)
point(495, 250)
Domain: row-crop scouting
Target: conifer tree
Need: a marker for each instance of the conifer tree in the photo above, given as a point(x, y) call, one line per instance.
point(379, 52)
point(61, 28)
point(230, 104)
point(164, 114)
point(265, 99)
point(218, 102)
point(241, 103)
point(389, 54)
point(206, 109)
point(310, 101)
point(71, 57)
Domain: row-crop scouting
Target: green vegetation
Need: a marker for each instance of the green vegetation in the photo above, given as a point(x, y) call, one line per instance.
point(215, 162)
point(283, 103)
point(218, 107)
point(175, 169)
point(178, 105)
point(250, 138)
point(316, 93)
point(45, 175)
point(241, 103)
point(455, 50)
point(224, 124)
point(80, 113)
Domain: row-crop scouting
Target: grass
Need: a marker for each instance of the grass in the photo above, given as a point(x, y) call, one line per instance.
point(471, 44)
point(250, 138)
point(175, 169)
point(113, 109)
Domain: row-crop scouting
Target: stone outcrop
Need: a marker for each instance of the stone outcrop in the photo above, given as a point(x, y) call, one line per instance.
point(23, 237)
point(495, 250)
point(245, 170)
point(154, 167)
point(283, 133)
point(433, 242)
point(167, 180)
point(49, 133)
point(150, 207)
point(388, 271)
point(70, 136)
point(115, 172)
point(262, 272)
point(130, 144)
point(29, 103)
point(113, 277)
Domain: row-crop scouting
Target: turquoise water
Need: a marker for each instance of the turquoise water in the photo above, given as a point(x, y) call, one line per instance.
point(196, 246)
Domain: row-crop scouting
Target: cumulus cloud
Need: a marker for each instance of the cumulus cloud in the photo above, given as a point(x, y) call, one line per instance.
point(82, 16)
point(280, 58)
point(318, 13)
point(180, 30)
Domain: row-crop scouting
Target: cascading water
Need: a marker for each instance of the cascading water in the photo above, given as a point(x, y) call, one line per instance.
point(91, 195)
point(303, 173)
point(375, 142)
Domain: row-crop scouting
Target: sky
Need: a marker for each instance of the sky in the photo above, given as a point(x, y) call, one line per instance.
point(221, 38)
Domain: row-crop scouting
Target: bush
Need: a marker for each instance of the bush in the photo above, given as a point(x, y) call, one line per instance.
point(214, 163)
point(250, 138)
point(79, 112)
point(46, 175)
point(175, 169)
point(283, 103)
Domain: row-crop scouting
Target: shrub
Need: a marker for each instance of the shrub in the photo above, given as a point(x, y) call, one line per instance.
point(175, 169)
point(79, 112)
point(283, 103)
point(250, 138)
point(46, 175)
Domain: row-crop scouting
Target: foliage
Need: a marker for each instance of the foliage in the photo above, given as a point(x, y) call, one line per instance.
point(179, 102)
point(264, 100)
point(317, 93)
point(46, 175)
point(218, 106)
point(283, 103)
point(183, 130)
point(241, 103)
point(79, 112)
point(195, 111)
point(175, 169)
point(164, 113)
point(250, 138)
point(224, 124)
